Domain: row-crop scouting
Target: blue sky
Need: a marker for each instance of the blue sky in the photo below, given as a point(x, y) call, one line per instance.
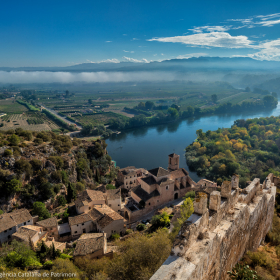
point(62, 33)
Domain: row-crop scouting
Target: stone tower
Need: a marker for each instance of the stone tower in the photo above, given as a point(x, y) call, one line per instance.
point(173, 162)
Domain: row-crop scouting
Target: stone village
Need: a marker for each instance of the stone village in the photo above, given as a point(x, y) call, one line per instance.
point(139, 192)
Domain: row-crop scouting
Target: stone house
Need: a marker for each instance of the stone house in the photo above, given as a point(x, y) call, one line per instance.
point(100, 218)
point(30, 234)
point(114, 199)
point(50, 225)
point(87, 199)
point(57, 245)
point(158, 187)
point(11, 222)
point(92, 246)
point(127, 177)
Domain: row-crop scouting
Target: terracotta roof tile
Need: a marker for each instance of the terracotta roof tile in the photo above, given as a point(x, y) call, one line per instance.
point(51, 222)
point(80, 219)
point(181, 172)
point(89, 243)
point(9, 220)
point(114, 194)
point(159, 172)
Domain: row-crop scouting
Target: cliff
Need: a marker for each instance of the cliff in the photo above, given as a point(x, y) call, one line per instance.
point(214, 239)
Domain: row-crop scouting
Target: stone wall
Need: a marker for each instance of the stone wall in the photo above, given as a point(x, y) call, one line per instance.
point(214, 239)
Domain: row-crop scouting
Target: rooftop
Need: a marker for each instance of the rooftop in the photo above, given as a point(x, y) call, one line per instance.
point(159, 172)
point(181, 172)
point(51, 222)
point(114, 194)
point(173, 155)
point(143, 194)
point(89, 243)
point(9, 220)
point(26, 232)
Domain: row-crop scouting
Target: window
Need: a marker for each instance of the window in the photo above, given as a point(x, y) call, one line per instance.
point(118, 205)
point(29, 221)
point(77, 225)
point(10, 228)
point(149, 203)
point(166, 187)
point(110, 205)
point(75, 231)
point(82, 224)
point(52, 233)
point(84, 230)
point(158, 201)
point(24, 223)
point(5, 231)
point(9, 236)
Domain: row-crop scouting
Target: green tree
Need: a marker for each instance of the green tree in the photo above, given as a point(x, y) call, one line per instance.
point(40, 209)
point(173, 113)
point(71, 192)
point(149, 105)
point(61, 200)
point(14, 140)
point(13, 186)
point(160, 221)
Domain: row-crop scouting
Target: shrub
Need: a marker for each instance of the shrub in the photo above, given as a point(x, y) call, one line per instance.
point(40, 209)
point(65, 256)
point(190, 194)
point(242, 272)
point(61, 200)
point(8, 153)
point(110, 187)
point(115, 236)
point(261, 258)
point(128, 231)
point(141, 227)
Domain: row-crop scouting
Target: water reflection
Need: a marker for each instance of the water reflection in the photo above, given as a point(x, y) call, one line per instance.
point(148, 147)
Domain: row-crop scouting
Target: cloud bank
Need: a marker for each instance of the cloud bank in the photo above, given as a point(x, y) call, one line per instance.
point(14, 77)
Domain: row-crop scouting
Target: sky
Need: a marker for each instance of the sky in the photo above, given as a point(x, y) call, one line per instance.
point(64, 33)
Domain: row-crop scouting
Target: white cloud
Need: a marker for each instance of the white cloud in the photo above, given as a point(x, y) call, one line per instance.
point(200, 29)
point(129, 59)
point(188, 55)
point(135, 39)
point(113, 60)
point(212, 39)
point(128, 51)
point(87, 77)
point(108, 41)
point(270, 50)
point(162, 54)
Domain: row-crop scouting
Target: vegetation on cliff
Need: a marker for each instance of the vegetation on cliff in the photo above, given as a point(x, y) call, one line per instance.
point(249, 148)
point(40, 166)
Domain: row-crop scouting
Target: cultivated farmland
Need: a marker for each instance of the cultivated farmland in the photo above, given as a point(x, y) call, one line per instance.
point(27, 121)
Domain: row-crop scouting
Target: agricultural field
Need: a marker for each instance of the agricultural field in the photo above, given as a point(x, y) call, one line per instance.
point(27, 121)
point(11, 106)
point(98, 118)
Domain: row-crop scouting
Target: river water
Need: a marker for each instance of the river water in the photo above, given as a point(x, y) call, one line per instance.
point(149, 147)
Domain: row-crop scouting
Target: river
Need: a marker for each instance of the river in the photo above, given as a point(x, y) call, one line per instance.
point(149, 147)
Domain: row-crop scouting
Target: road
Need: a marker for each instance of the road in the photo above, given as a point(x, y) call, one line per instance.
point(60, 117)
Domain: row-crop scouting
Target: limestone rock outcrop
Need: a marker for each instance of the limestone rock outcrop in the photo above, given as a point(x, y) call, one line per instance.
point(214, 239)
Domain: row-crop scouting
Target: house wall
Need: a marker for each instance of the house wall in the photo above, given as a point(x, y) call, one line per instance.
point(87, 208)
point(115, 204)
point(77, 230)
point(114, 227)
point(6, 236)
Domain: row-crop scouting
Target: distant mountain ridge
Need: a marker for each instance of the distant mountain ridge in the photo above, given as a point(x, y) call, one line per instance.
point(203, 63)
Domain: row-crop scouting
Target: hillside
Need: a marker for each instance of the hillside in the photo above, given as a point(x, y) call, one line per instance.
point(41, 166)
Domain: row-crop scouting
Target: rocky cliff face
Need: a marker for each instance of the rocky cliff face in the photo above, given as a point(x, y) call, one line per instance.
point(213, 240)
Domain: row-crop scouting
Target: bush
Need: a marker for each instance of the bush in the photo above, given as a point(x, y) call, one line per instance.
point(128, 231)
point(241, 272)
point(190, 194)
point(261, 258)
point(141, 227)
point(115, 236)
point(61, 200)
point(110, 187)
point(160, 221)
point(8, 153)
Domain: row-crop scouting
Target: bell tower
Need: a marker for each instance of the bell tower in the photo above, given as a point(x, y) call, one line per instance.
point(173, 162)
